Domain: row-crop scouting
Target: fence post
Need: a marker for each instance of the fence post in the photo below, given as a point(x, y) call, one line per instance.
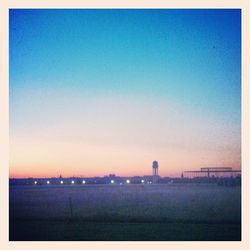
point(70, 207)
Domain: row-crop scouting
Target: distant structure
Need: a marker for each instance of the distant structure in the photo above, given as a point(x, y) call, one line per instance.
point(222, 176)
point(155, 167)
point(215, 171)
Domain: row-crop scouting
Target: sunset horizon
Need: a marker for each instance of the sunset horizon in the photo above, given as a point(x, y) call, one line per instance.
point(98, 92)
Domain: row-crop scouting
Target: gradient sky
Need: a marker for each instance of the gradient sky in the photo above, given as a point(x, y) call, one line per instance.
point(94, 92)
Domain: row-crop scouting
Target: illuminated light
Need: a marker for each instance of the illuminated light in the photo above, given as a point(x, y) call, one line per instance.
point(127, 181)
point(121, 183)
point(48, 182)
point(61, 182)
point(112, 181)
point(35, 182)
point(83, 182)
point(142, 181)
point(72, 182)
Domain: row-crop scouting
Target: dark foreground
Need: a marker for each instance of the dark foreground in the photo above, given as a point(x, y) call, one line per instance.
point(128, 213)
point(121, 231)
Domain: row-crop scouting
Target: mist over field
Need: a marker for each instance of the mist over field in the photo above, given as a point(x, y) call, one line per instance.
point(173, 212)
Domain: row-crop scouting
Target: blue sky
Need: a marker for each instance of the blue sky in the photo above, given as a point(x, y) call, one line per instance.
point(102, 77)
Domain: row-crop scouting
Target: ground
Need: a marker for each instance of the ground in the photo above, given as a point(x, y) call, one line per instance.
point(126, 212)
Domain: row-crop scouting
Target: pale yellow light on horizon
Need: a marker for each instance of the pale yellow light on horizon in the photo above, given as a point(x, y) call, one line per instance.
point(42, 158)
point(121, 135)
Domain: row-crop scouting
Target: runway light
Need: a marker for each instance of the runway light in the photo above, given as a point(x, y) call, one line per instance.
point(142, 181)
point(112, 181)
point(61, 182)
point(48, 182)
point(83, 182)
point(72, 182)
point(35, 182)
point(128, 181)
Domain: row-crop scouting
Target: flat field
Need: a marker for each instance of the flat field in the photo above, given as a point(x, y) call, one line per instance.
point(125, 212)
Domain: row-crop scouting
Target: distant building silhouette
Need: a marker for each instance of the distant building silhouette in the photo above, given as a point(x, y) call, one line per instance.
point(155, 167)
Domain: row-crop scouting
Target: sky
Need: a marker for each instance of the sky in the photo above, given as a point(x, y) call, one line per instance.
point(107, 91)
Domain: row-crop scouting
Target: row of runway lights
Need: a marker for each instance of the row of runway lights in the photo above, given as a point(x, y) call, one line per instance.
point(84, 182)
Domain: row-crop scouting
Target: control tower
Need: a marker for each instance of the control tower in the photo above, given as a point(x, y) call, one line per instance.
point(155, 167)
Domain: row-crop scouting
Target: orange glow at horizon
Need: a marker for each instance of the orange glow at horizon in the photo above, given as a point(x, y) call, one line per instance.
point(41, 158)
point(115, 136)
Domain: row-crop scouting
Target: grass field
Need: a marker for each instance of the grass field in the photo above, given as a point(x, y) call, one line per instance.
point(127, 212)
